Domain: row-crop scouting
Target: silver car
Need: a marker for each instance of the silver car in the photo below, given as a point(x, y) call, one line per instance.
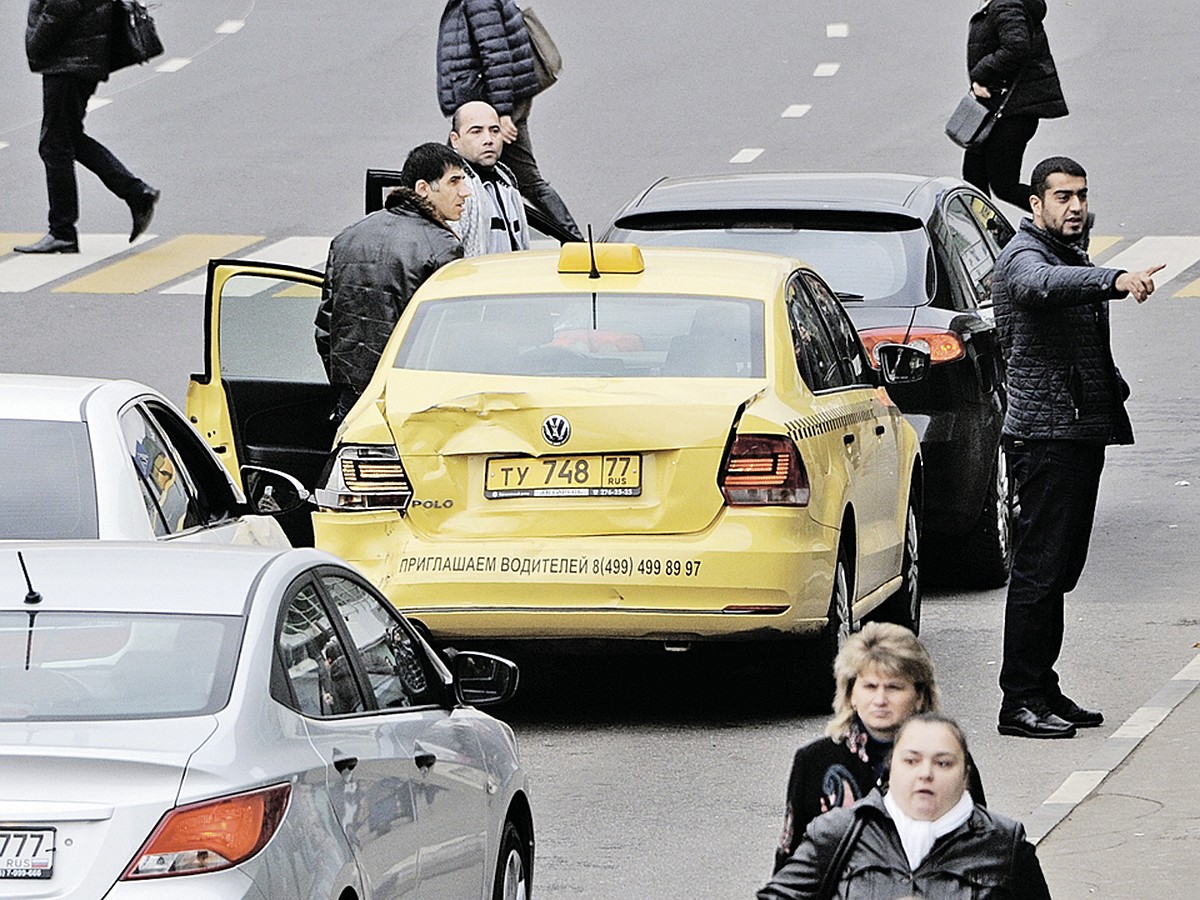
point(115, 460)
point(201, 721)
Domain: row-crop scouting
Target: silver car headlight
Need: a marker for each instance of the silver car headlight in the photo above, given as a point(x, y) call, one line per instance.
point(366, 477)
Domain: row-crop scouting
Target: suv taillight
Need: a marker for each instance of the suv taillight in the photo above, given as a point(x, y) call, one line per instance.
point(764, 470)
point(366, 477)
point(943, 346)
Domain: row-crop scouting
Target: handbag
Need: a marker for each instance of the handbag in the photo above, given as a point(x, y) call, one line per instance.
point(971, 122)
point(133, 38)
point(833, 874)
point(547, 61)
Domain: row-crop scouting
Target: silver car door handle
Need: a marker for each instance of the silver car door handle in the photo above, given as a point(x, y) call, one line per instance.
point(880, 429)
point(847, 439)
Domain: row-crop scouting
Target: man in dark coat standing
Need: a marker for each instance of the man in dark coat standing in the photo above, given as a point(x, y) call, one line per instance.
point(484, 53)
point(67, 41)
point(1066, 403)
point(377, 264)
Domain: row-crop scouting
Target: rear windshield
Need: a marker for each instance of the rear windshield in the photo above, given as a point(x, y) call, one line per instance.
point(48, 490)
point(881, 261)
point(83, 665)
point(605, 335)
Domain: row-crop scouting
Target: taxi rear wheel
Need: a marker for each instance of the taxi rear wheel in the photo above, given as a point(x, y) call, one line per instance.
point(810, 664)
point(904, 606)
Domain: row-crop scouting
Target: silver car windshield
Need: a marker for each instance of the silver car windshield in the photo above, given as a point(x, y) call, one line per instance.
point(48, 491)
point(84, 665)
point(886, 267)
point(588, 335)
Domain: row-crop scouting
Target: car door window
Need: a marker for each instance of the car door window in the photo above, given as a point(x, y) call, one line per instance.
point(318, 672)
point(206, 478)
point(166, 490)
point(816, 356)
point(996, 229)
point(851, 356)
point(395, 662)
point(971, 251)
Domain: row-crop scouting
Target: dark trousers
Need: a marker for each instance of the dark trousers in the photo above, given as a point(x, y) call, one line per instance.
point(64, 104)
point(518, 156)
point(995, 168)
point(1056, 484)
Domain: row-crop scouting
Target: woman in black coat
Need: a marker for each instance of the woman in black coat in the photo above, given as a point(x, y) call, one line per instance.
point(924, 838)
point(1007, 49)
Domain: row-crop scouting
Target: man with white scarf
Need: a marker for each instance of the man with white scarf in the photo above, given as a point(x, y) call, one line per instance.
point(494, 218)
point(925, 837)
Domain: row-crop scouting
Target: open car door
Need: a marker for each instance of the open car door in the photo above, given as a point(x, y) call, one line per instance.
point(547, 232)
point(263, 398)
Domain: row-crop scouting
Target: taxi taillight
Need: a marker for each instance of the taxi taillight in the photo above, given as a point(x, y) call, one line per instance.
point(943, 346)
point(211, 835)
point(764, 470)
point(366, 477)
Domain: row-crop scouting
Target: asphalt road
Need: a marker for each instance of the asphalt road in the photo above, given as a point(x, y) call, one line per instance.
point(664, 776)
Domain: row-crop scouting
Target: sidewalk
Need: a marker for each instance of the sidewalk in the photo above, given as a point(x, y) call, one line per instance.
point(1127, 825)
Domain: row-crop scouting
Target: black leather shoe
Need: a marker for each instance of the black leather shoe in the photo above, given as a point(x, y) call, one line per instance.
point(1067, 709)
point(143, 211)
point(49, 244)
point(1034, 722)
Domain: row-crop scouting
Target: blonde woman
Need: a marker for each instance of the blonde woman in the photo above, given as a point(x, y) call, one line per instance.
point(883, 675)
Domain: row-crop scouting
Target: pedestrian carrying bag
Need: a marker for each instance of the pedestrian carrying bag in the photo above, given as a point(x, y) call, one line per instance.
point(841, 855)
point(971, 122)
point(547, 61)
point(133, 38)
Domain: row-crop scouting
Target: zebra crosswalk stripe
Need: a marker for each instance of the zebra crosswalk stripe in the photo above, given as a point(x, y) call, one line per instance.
point(24, 273)
point(159, 264)
point(307, 252)
point(1178, 253)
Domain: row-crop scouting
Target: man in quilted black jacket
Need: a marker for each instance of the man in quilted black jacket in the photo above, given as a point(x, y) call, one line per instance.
point(1066, 403)
point(67, 41)
point(484, 53)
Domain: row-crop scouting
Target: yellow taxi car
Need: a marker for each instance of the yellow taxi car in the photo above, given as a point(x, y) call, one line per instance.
point(666, 445)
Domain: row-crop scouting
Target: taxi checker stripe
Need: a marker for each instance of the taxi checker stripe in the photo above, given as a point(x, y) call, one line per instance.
point(832, 420)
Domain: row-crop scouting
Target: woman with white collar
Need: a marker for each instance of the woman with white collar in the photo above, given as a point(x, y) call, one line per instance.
point(925, 837)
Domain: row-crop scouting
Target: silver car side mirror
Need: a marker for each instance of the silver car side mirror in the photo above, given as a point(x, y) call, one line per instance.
point(902, 363)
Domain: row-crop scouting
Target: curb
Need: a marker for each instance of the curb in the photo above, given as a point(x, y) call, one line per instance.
point(1079, 785)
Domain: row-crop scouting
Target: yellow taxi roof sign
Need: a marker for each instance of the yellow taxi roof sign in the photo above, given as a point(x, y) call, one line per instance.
point(611, 259)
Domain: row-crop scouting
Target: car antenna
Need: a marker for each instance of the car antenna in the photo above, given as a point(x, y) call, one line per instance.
point(595, 273)
point(911, 320)
point(33, 596)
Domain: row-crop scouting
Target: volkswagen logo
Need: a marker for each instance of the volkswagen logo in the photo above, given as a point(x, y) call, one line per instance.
point(556, 430)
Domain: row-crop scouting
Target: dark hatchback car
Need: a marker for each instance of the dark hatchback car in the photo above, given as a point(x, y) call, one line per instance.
point(911, 259)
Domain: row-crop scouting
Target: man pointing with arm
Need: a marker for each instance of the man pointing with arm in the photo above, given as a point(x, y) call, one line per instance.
point(1066, 403)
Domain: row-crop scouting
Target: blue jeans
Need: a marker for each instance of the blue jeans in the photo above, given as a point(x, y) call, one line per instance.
point(1056, 483)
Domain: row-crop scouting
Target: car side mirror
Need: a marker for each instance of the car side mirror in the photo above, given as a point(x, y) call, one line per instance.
point(902, 363)
point(481, 679)
point(271, 492)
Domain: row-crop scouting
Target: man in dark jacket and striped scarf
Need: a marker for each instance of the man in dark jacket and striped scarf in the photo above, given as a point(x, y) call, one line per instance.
point(1066, 403)
point(484, 53)
point(67, 42)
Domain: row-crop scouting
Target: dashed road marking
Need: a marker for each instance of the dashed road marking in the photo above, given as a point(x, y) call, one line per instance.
point(748, 154)
point(826, 70)
point(796, 110)
point(10, 239)
point(837, 30)
point(230, 26)
point(174, 64)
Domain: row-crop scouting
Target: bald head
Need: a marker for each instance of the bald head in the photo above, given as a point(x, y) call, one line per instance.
point(475, 133)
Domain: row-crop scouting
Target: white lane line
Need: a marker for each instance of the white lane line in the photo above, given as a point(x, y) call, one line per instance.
point(1177, 252)
point(174, 64)
point(1077, 786)
point(749, 154)
point(24, 272)
point(1190, 672)
point(230, 26)
point(826, 70)
point(306, 252)
point(837, 30)
point(1143, 721)
point(94, 103)
point(796, 110)
point(3, 144)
